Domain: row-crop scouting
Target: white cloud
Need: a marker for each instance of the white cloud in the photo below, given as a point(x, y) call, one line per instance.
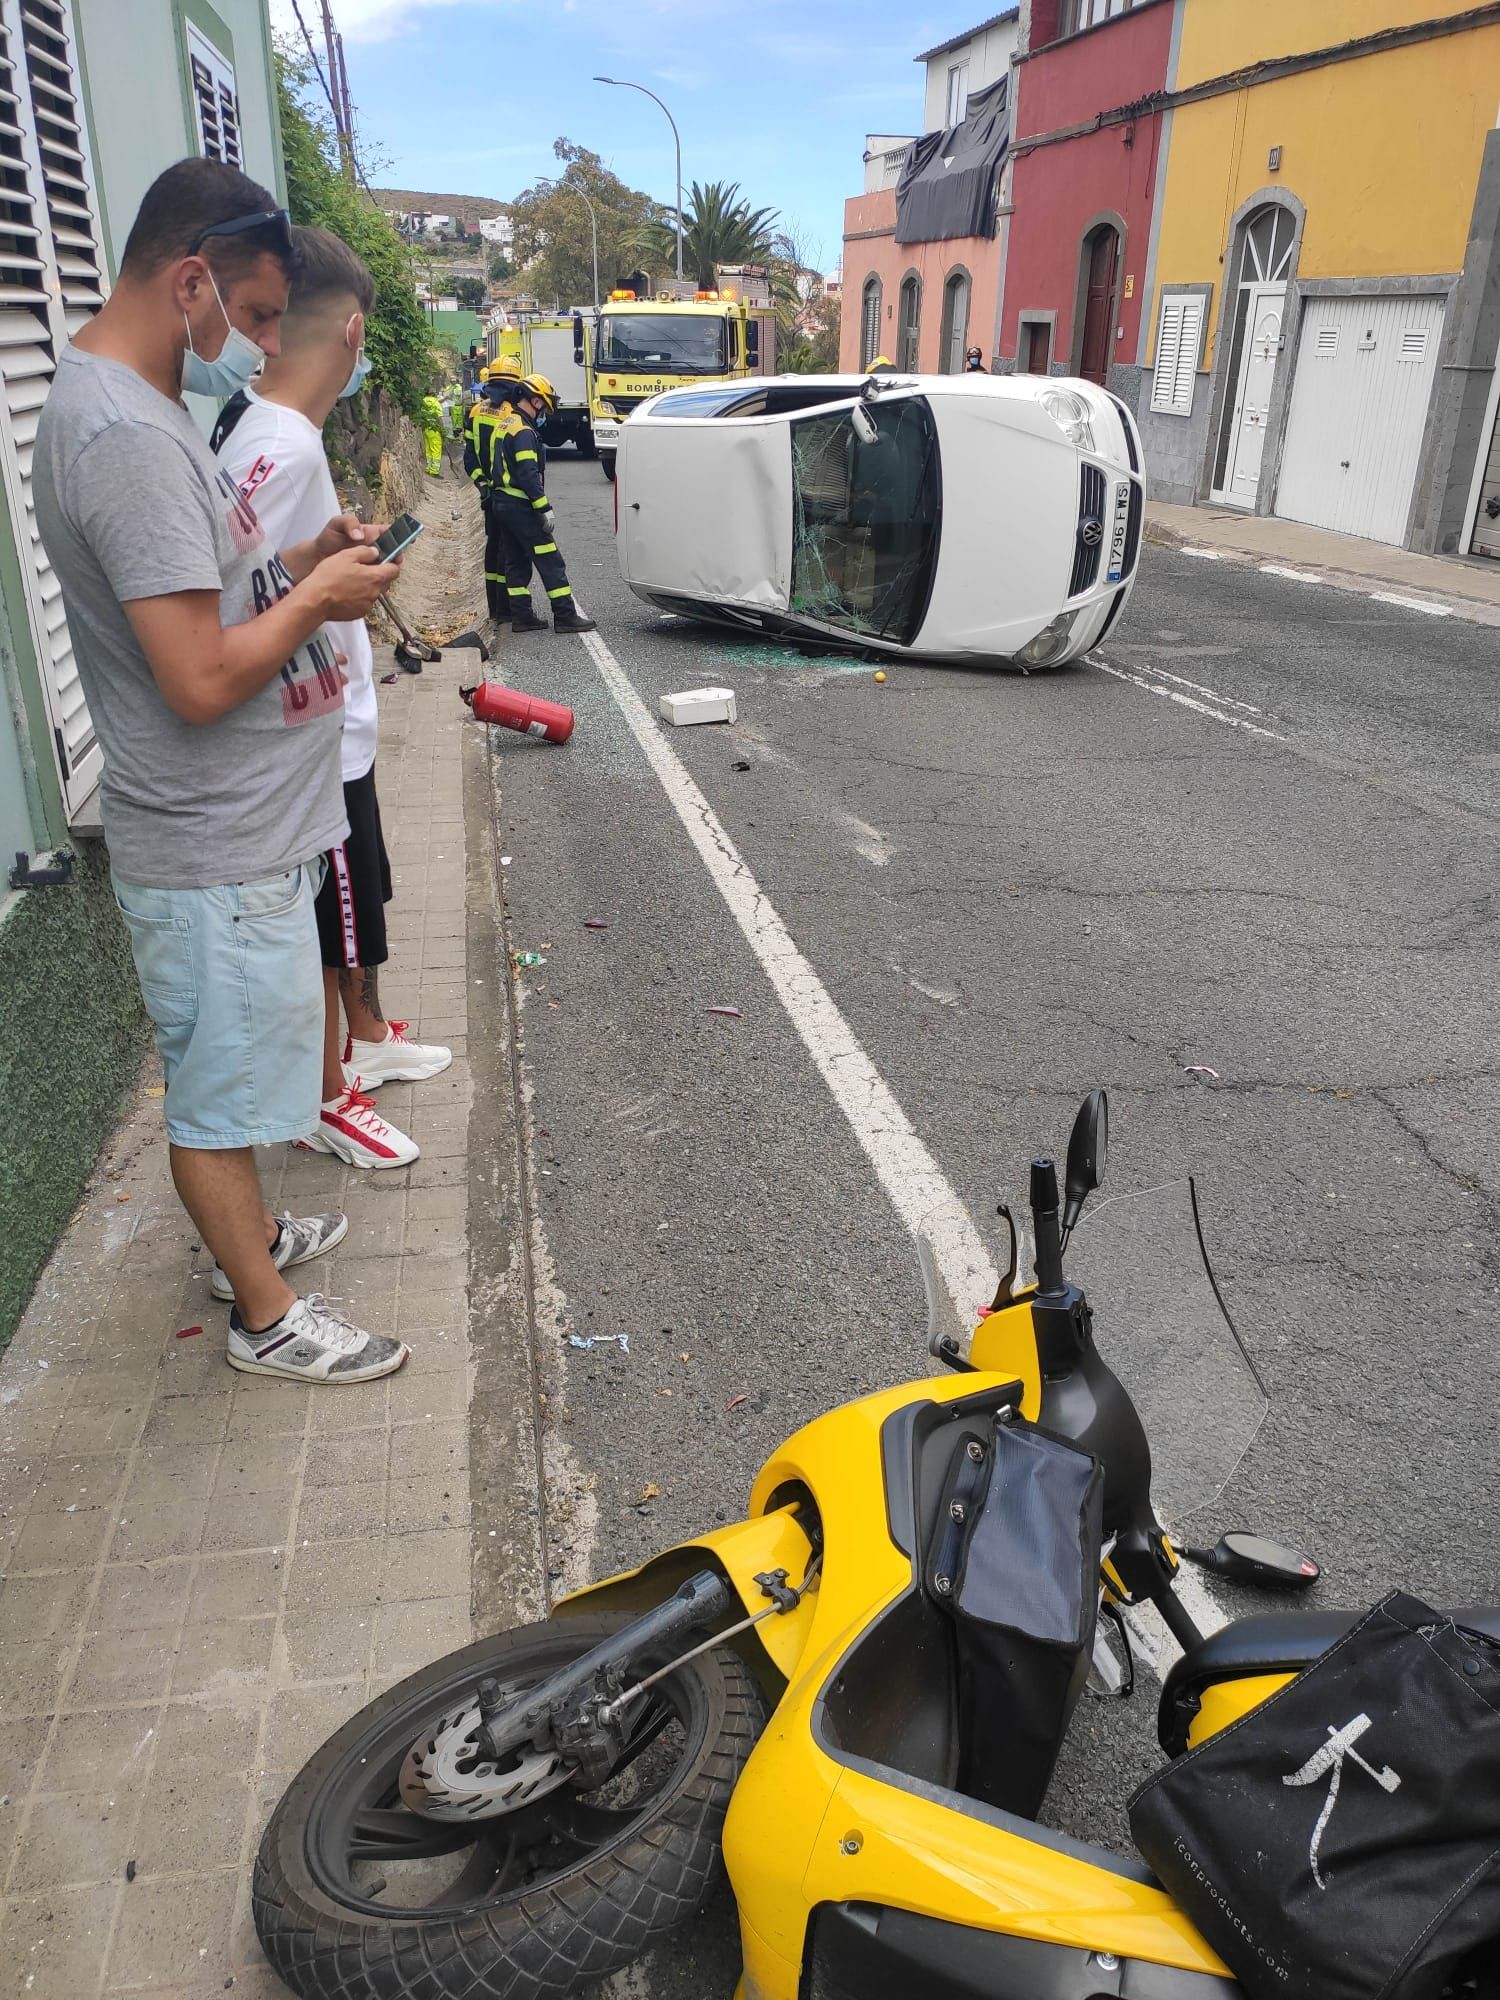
point(358, 20)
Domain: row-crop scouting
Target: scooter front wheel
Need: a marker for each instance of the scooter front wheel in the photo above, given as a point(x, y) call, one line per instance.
point(358, 1898)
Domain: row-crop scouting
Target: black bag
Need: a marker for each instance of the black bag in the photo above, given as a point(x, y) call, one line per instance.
point(1342, 1841)
point(1016, 1563)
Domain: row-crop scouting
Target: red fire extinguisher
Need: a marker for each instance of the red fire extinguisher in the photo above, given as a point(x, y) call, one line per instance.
point(493, 701)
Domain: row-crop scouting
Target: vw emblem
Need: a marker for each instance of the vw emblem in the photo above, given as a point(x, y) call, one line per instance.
point(1091, 531)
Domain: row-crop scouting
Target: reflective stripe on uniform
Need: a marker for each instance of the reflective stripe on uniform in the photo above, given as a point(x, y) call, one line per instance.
point(525, 454)
point(523, 590)
point(541, 506)
point(544, 549)
point(566, 591)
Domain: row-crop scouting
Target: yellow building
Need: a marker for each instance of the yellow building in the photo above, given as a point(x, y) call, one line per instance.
point(1322, 334)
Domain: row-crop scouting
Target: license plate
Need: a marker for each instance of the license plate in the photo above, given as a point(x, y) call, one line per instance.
point(1117, 539)
point(606, 434)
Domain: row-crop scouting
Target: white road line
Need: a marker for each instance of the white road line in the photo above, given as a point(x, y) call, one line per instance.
point(912, 1180)
point(1296, 575)
point(1185, 700)
point(1413, 603)
point(1204, 555)
point(1150, 667)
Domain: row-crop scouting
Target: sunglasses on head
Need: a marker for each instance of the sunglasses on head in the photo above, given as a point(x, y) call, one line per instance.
point(275, 219)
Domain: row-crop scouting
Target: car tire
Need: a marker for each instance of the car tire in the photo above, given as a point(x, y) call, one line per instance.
point(607, 465)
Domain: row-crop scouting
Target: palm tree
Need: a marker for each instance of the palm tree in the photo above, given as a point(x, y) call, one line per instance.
point(718, 227)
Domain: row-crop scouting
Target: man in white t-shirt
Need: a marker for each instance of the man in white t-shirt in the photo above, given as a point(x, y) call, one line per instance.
point(271, 444)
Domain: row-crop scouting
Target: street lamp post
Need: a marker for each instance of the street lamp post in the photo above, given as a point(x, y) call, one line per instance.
point(594, 232)
point(623, 83)
point(564, 186)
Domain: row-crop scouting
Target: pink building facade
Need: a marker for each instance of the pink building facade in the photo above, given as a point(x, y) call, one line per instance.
point(920, 304)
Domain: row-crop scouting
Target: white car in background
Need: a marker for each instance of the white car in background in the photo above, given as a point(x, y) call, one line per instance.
point(935, 517)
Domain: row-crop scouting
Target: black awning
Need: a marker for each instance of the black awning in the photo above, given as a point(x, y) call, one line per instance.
point(948, 186)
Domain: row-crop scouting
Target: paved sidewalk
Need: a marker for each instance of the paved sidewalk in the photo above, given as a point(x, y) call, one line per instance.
point(1467, 589)
point(205, 1572)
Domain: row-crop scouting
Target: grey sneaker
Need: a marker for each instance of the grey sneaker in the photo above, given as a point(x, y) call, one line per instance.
point(313, 1343)
point(302, 1237)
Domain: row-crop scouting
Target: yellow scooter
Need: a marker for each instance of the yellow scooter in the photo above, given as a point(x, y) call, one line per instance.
point(857, 1695)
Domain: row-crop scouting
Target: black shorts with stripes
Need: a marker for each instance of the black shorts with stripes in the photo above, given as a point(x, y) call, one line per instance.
point(351, 903)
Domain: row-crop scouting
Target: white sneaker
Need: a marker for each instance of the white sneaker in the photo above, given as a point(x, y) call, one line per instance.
point(313, 1343)
point(301, 1237)
point(395, 1060)
point(351, 1127)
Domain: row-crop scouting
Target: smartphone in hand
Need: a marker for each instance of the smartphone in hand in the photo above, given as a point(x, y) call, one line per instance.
point(398, 537)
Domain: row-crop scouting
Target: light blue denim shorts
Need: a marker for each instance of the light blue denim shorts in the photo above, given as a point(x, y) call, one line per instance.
point(233, 981)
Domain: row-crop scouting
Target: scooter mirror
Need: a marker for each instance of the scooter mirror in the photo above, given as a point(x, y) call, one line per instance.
point(1086, 1149)
point(1252, 1559)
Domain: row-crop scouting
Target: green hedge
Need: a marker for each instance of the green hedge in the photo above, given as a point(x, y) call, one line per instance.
point(71, 1038)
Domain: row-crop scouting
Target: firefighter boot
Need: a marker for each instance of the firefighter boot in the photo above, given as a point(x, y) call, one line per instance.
point(524, 619)
point(568, 618)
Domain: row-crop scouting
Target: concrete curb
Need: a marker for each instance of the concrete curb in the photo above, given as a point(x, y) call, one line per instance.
point(508, 1577)
point(1475, 611)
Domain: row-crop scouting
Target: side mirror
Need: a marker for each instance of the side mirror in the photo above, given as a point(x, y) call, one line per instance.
point(578, 339)
point(752, 343)
point(864, 424)
point(1253, 1559)
point(1087, 1145)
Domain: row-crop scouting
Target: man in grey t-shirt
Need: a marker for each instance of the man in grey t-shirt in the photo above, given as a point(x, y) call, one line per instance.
point(218, 703)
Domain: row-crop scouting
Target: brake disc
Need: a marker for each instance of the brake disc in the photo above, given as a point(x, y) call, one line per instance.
point(446, 1776)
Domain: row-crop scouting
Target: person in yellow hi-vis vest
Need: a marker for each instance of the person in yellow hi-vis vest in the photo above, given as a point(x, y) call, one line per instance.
point(432, 435)
point(527, 522)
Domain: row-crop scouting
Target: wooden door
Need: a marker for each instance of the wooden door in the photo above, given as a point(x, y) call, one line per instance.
point(1099, 306)
point(1038, 347)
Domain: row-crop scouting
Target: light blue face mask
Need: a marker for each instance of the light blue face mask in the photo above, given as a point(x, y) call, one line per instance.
point(358, 376)
point(233, 368)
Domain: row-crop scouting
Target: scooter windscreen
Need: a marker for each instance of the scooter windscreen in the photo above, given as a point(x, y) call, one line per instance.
point(1162, 1321)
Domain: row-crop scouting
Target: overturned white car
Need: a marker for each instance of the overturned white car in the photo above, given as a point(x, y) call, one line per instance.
point(945, 517)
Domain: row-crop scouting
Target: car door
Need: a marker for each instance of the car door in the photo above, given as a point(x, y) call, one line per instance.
point(706, 508)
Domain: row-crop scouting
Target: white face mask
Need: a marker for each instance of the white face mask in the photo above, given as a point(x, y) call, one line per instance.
point(233, 368)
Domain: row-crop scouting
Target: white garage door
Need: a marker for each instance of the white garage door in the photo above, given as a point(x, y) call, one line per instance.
point(1359, 410)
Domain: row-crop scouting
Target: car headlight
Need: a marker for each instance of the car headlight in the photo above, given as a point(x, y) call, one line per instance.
point(1050, 644)
point(1069, 410)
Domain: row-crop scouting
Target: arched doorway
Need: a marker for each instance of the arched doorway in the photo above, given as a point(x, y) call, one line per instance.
point(909, 325)
point(1100, 265)
point(956, 292)
point(869, 321)
point(1255, 307)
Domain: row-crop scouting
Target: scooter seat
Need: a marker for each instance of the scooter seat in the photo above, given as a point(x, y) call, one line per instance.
point(1281, 1642)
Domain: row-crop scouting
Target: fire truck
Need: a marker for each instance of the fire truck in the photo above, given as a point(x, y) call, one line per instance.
point(643, 345)
point(534, 344)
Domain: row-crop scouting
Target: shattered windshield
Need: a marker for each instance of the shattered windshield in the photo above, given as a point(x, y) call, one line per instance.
point(677, 344)
point(865, 519)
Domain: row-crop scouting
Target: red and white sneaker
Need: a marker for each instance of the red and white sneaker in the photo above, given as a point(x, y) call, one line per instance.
point(395, 1060)
point(351, 1127)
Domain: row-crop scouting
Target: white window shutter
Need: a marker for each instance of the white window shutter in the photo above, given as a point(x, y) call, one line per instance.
point(52, 279)
point(216, 99)
point(1179, 335)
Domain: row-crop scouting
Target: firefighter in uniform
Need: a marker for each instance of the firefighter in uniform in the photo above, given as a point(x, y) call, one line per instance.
point(526, 518)
point(490, 412)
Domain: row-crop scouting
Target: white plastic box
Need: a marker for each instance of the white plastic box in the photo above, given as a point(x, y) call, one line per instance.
point(700, 705)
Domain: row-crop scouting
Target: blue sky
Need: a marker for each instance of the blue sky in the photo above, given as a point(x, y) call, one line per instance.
point(776, 94)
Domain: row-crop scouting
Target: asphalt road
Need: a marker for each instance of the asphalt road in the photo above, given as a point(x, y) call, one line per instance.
point(1263, 844)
